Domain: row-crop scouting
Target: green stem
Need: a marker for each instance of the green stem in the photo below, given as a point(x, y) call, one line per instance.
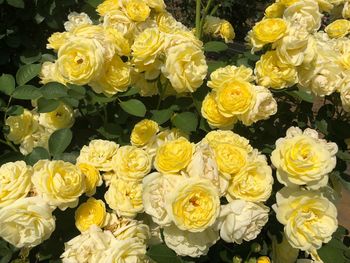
point(7, 107)
point(9, 144)
point(198, 18)
point(213, 11)
point(205, 13)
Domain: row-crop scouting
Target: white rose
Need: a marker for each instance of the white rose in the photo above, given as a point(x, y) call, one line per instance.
point(88, 247)
point(27, 222)
point(75, 19)
point(241, 220)
point(191, 244)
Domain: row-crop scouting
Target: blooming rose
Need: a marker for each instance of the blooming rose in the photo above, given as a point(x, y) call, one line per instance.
point(27, 222)
point(57, 39)
point(118, 20)
point(92, 178)
point(21, 126)
point(75, 19)
point(59, 183)
point(275, 10)
point(92, 212)
point(158, 5)
point(15, 182)
point(49, 73)
point(144, 132)
point(301, 158)
point(137, 10)
point(167, 23)
point(61, 117)
point(241, 220)
point(219, 28)
point(309, 219)
point(338, 28)
point(39, 138)
point(107, 6)
point(186, 243)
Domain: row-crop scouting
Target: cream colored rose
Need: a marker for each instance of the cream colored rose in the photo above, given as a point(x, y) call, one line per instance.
point(186, 243)
point(309, 219)
point(88, 246)
point(338, 28)
point(345, 97)
point(283, 252)
point(62, 117)
point(21, 126)
point(185, 67)
point(193, 205)
point(80, 60)
point(301, 158)
point(92, 178)
point(346, 10)
point(99, 153)
point(174, 156)
point(131, 163)
point(92, 212)
point(15, 182)
point(271, 72)
point(264, 106)
point(49, 73)
point(254, 182)
point(241, 220)
point(27, 222)
point(75, 19)
point(59, 183)
point(125, 251)
point(228, 74)
point(125, 197)
point(144, 132)
point(40, 138)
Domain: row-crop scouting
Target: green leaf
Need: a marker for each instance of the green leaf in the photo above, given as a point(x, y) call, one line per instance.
point(214, 65)
point(59, 141)
point(344, 155)
point(7, 84)
point(300, 94)
point(74, 103)
point(161, 116)
point(68, 157)
point(76, 92)
point(322, 125)
point(16, 3)
point(27, 73)
point(215, 46)
point(53, 90)
point(37, 154)
point(186, 121)
point(26, 92)
point(162, 254)
point(29, 57)
point(333, 251)
point(94, 3)
point(132, 91)
point(99, 98)
point(15, 110)
point(134, 107)
point(45, 105)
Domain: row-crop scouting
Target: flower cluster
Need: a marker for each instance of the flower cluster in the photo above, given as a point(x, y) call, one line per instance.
point(302, 51)
point(137, 42)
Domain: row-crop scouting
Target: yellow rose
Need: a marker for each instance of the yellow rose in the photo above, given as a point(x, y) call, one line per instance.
point(288, 2)
point(254, 182)
point(309, 219)
point(107, 6)
point(15, 182)
point(338, 28)
point(75, 19)
point(275, 10)
point(271, 72)
point(49, 73)
point(59, 183)
point(193, 205)
point(346, 10)
point(115, 78)
point(226, 31)
point(301, 158)
point(131, 163)
point(39, 138)
point(98, 153)
point(182, 36)
point(80, 60)
point(116, 39)
point(144, 132)
point(125, 197)
point(58, 39)
point(167, 23)
point(185, 67)
point(219, 28)
point(92, 212)
point(174, 156)
point(92, 178)
point(263, 260)
point(118, 20)
point(158, 5)
point(137, 10)
point(269, 30)
point(229, 73)
point(235, 97)
point(211, 113)
point(61, 117)
point(21, 126)
point(345, 97)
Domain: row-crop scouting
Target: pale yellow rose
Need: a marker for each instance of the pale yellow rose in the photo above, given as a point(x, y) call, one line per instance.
point(182, 36)
point(15, 182)
point(338, 28)
point(211, 113)
point(98, 153)
point(228, 74)
point(185, 67)
point(194, 204)
point(116, 39)
point(21, 126)
point(92, 178)
point(301, 158)
point(75, 19)
point(144, 132)
point(235, 97)
point(254, 182)
point(174, 156)
point(226, 31)
point(80, 60)
point(275, 10)
point(309, 219)
point(49, 73)
point(58, 39)
point(118, 20)
point(92, 212)
point(273, 73)
point(137, 10)
point(39, 138)
point(167, 23)
point(131, 163)
point(107, 6)
point(345, 97)
point(125, 197)
point(346, 10)
point(27, 222)
point(288, 2)
point(62, 117)
point(158, 5)
point(219, 28)
point(59, 183)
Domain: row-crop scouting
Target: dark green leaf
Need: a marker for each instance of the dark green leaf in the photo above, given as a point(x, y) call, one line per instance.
point(322, 126)
point(161, 116)
point(134, 107)
point(16, 3)
point(76, 92)
point(45, 105)
point(37, 154)
point(162, 254)
point(27, 73)
point(344, 155)
point(67, 157)
point(300, 94)
point(214, 65)
point(29, 57)
point(59, 141)
point(94, 3)
point(333, 251)
point(99, 98)
point(186, 121)
point(74, 103)
point(53, 90)
point(26, 92)
point(15, 110)
point(132, 91)
point(215, 46)
point(7, 84)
